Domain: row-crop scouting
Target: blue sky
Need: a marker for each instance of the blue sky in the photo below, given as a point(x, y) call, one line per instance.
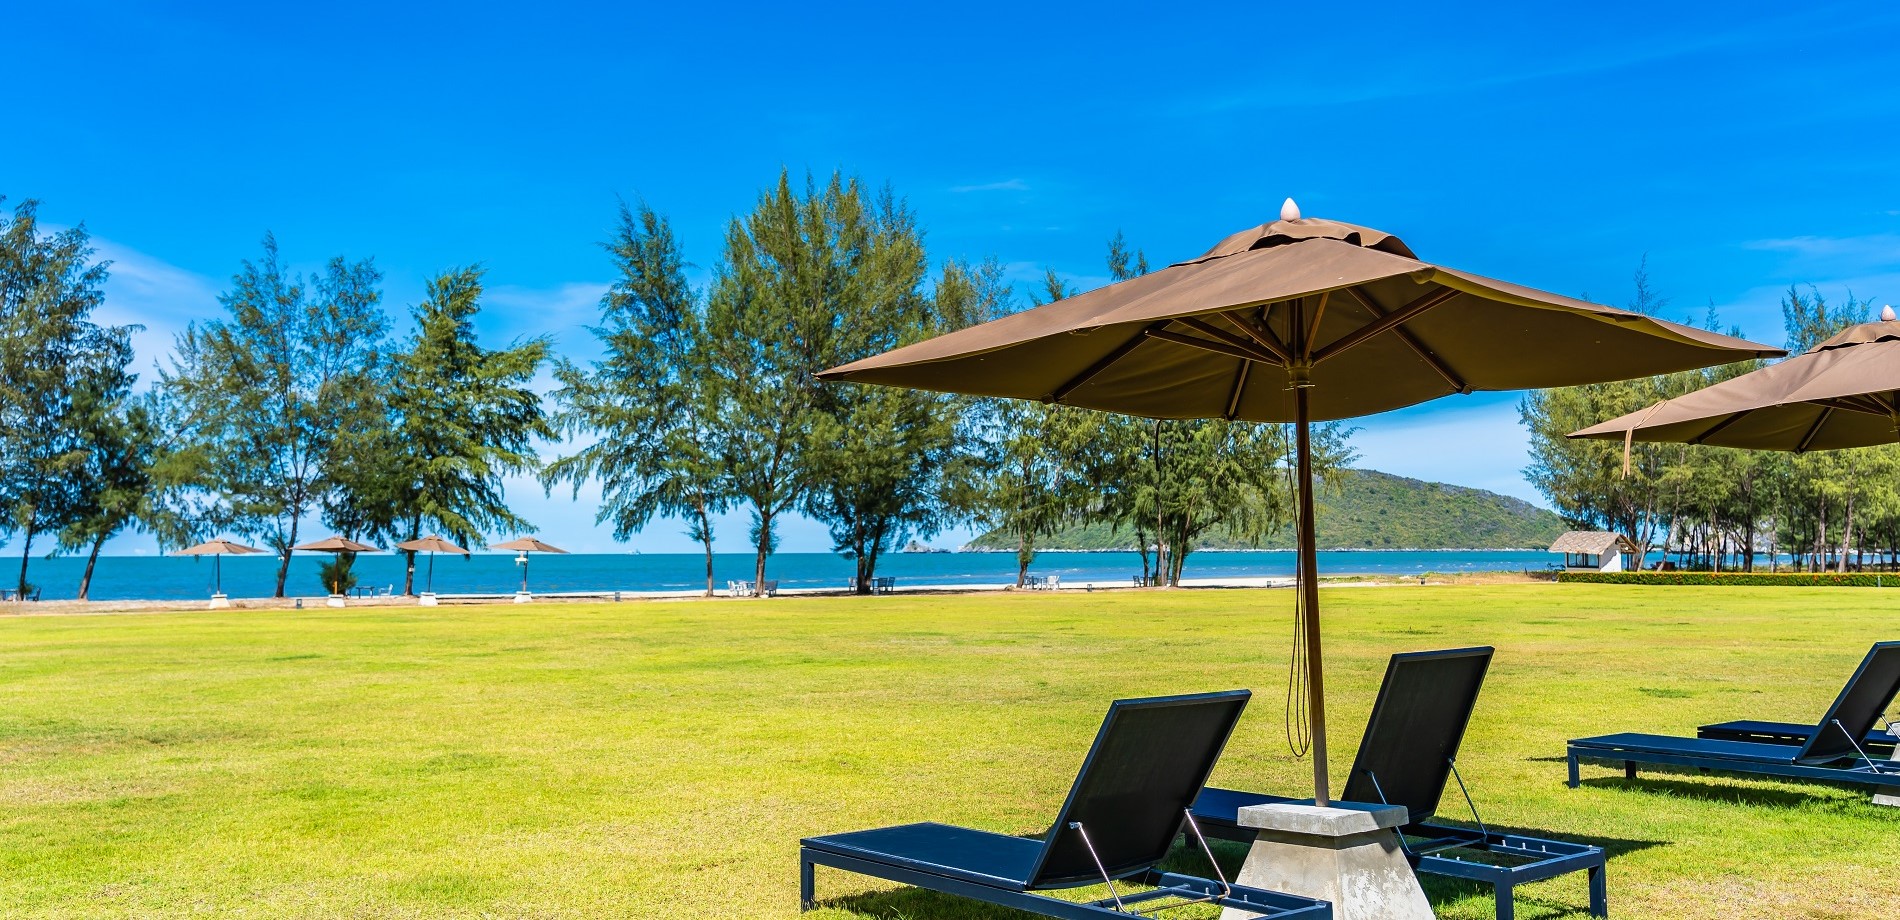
point(1740, 147)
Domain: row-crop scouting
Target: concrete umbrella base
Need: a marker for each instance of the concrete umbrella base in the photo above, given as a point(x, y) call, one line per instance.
point(219, 601)
point(425, 599)
point(1347, 853)
point(334, 600)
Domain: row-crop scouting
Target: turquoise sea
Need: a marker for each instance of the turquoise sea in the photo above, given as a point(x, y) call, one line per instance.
point(186, 577)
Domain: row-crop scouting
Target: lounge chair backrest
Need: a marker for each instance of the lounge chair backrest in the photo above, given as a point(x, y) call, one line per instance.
point(1416, 726)
point(1149, 761)
point(1859, 707)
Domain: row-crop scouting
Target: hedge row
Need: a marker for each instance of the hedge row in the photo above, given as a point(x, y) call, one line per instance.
point(1786, 579)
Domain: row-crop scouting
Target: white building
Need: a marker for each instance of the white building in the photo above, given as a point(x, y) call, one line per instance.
point(1593, 550)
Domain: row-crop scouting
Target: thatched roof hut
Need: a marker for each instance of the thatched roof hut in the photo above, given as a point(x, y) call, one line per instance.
point(1593, 550)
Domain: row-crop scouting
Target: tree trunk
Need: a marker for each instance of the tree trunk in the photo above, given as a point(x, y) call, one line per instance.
point(867, 568)
point(26, 552)
point(764, 549)
point(705, 539)
point(283, 565)
point(409, 573)
point(1847, 535)
point(1025, 552)
point(92, 559)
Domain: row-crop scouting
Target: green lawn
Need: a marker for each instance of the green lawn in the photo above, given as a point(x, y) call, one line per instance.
point(662, 759)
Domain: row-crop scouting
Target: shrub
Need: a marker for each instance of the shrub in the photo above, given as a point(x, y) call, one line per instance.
point(1781, 579)
point(336, 575)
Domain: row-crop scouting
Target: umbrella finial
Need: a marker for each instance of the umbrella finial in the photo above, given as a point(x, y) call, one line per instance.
point(1289, 211)
point(1886, 314)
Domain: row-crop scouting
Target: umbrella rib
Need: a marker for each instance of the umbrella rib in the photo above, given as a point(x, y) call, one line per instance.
point(1121, 351)
point(1411, 341)
point(1219, 348)
point(1815, 429)
point(1716, 428)
point(1253, 353)
point(1240, 386)
point(1854, 404)
point(1312, 326)
point(1387, 322)
point(1261, 335)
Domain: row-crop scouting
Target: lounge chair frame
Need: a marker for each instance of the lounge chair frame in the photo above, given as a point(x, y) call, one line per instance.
point(1134, 835)
point(1830, 751)
point(1877, 741)
point(1431, 847)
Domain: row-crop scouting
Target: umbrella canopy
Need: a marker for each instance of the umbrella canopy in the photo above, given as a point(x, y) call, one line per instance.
point(528, 545)
point(1345, 309)
point(431, 544)
point(217, 550)
point(219, 547)
point(1841, 393)
point(1296, 320)
point(336, 545)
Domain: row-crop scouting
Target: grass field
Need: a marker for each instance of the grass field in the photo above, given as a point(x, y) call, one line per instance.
point(662, 759)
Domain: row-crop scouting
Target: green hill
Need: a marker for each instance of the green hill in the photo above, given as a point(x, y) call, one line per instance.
point(1370, 510)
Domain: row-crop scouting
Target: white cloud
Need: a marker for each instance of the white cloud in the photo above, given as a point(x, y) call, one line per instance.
point(564, 312)
point(150, 292)
point(1007, 185)
point(1882, 248)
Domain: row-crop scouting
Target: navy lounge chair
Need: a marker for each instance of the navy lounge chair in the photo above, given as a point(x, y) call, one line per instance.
point(1407, 756)
point(1128, 803)
point(1876, 741)
point(1832, 752)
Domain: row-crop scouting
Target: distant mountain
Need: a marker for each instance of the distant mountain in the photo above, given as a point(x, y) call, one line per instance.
point(1370, 510)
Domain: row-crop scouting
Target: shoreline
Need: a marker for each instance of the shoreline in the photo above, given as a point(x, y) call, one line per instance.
point(317, 603)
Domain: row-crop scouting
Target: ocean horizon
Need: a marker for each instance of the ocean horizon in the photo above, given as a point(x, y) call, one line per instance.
point(172, 577)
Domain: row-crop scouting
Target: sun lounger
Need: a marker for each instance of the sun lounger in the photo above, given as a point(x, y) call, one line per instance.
point(1128, 803)
point(1877, 740)
point(1407, 756)
point(1832, 752)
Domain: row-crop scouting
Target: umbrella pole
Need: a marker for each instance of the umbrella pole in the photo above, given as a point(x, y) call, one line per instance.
point(429, 586)
point(1309, 598)
point(217, 574)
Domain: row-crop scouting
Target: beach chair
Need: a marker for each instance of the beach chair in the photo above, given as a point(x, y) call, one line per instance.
point(1407, 756)
point(1128, 803)
point(1832, 753)
point(1878, 740)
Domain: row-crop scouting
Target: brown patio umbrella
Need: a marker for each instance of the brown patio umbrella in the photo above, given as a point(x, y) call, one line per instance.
point(431, 544)
point(338, 545)
point(528, 545)
point(217, 550)
point(1296, 321)
point(1841, 393)
point(524, 546)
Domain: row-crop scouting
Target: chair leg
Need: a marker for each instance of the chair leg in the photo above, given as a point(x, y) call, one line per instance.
point(1574, 781)
point(1629, 769)
point(1506, 909)
point(1599, 893)
point(807, 894)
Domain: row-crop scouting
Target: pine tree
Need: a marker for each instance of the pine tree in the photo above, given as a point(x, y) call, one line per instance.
point(61, 374)
point(262, 399)
point(651, 400)
point(462, 418)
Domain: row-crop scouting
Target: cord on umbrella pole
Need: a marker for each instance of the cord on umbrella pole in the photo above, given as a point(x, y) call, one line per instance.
point(1299, 732)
